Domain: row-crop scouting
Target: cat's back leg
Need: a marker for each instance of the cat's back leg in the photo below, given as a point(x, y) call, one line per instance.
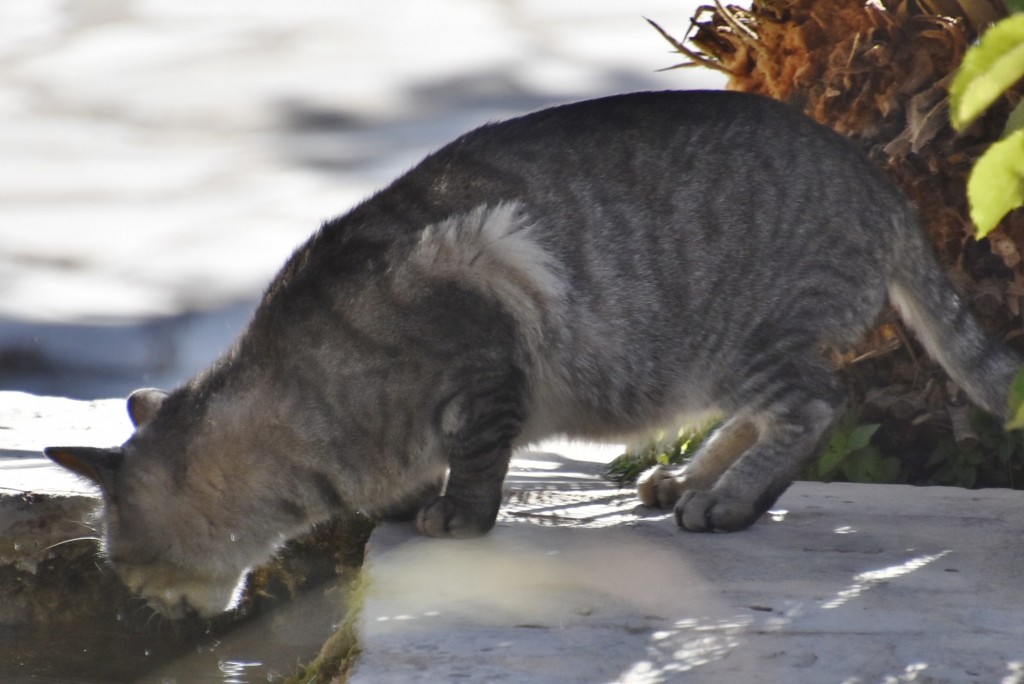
point(661, 487)
point(792, 409)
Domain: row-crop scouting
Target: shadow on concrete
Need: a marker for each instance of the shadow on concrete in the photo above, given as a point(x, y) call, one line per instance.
point(91, 361)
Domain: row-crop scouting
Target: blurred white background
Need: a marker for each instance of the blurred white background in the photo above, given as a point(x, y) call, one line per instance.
point(159, 160)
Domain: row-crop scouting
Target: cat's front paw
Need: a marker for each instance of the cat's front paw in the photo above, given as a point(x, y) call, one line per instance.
point(708, 511)
point(658, 487)
point(444, 518)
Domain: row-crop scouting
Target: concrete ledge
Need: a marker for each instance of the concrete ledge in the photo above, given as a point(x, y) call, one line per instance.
point(842, 583)
point(48, 569)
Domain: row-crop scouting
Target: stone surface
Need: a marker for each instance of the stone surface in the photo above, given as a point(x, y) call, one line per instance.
point(845, 583)
point(841, 583)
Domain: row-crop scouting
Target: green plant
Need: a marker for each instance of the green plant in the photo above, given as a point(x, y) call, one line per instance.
point(996, 184)
point(990, 68)
point(849, 455)
point(990, 457)
point(1016, 420)
point(339, 653)
point(661, 450)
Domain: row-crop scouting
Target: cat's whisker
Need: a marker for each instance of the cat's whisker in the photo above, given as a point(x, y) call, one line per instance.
point(155, 619)
point(85, 525)
point(75, 539)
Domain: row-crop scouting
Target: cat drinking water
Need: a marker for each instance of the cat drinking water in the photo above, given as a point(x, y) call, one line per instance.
point(592, 270)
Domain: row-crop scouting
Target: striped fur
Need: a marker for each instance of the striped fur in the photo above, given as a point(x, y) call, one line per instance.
point(593, 270)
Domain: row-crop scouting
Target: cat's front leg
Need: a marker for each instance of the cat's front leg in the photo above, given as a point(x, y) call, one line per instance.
point(479, 428)
point(470, 504)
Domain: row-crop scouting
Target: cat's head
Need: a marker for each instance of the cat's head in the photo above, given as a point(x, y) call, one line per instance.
point(177, 526)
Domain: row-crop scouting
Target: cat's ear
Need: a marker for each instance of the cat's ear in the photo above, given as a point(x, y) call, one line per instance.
point(143, 405)
point(98, 465)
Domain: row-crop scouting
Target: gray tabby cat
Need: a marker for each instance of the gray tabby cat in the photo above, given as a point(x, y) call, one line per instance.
point(591, 270)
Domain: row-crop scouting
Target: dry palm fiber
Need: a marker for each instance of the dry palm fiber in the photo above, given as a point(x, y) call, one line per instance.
point(878, 72)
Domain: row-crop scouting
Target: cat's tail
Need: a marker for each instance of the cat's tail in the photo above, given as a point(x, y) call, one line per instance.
point(978, 362)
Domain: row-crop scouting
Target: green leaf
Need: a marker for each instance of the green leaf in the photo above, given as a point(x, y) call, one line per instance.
point(996, 184)
point(869, 465)
point(836, 450)
point(1014, 5)
point(830, 460)
point(861, 436)
point(857, 467)
point(988, 70)
point(1016, 421)
point(846, 440)
point(1015, 121)
point(887, 469)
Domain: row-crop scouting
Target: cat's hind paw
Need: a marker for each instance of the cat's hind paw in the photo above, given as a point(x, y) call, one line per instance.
point(658, 487)
point(707, 511)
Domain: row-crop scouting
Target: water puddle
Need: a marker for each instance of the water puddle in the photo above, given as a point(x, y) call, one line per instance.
point(268, 648)
point(64, 616)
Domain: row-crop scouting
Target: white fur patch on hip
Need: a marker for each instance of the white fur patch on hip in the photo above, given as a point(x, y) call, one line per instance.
point(493, 249)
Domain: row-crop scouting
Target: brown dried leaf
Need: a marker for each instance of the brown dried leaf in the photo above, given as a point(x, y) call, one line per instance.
point(1005, 248)
point(927, 115)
